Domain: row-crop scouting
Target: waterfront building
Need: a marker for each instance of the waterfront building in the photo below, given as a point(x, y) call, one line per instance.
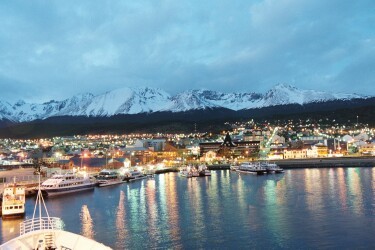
point(295, 153)
point(322, 150)
point(367, 149)
point(275, 155)
point(312, 152)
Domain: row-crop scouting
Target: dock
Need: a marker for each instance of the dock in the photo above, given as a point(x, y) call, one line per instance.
point(24, 177)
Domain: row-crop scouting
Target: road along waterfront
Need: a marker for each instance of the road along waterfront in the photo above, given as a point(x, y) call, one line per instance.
point(302, 208)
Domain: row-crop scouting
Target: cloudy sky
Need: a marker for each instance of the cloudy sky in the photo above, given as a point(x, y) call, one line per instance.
point(54, 49)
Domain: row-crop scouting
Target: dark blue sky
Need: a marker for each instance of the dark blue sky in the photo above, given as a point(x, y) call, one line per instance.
point(53, 49)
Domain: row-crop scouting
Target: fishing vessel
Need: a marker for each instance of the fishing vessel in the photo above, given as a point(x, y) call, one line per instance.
point(48, 233)
point(69, 182)
point(13, 201)
point(108, 177)
point(251, 168)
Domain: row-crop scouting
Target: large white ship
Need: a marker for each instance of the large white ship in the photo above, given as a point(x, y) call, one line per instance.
point(66, 183)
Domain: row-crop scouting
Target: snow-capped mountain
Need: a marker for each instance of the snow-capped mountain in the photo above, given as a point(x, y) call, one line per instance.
point(144, 99)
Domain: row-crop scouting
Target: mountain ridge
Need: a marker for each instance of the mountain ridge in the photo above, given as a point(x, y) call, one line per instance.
point(149, 100)
point(202, 120)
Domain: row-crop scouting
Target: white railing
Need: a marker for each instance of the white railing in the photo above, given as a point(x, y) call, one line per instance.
point(44, 223)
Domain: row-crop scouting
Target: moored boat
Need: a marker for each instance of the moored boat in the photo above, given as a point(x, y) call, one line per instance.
point(251, 168)
point(134, 175)
point(69, 182)
point(272, 167)
point(234, 167)
point(186, 172)
point(203, 170)
point(13, 201)
point(195, 173)
point(108, 177)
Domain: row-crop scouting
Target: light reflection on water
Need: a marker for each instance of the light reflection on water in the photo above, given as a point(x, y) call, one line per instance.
point(87, 223)
point(122, 232)
point(303, 208)
point(355, 191)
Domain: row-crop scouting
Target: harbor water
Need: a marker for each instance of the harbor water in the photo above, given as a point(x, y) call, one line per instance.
point(299, 209)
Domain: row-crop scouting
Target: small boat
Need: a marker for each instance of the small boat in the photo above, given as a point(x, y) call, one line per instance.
point(13, 201)
point(195, 173)
point(47, 233)
point(108, 178)
point(251, 168)
point(203, 170)
point(66, 183)
point(234, 167)
point(134, 175)
point(185, 172)
point(272, 167)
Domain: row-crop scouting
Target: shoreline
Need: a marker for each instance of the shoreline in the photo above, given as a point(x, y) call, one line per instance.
point(337, 162)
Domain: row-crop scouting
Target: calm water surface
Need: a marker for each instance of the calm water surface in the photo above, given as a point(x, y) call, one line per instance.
point(300, 209)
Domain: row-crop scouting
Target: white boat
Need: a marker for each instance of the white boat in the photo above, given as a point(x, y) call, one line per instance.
point(13, 204)
point(47, 233)
point(234, 167)
point(108, 177)
point(272, 167)
point(134, 175)
point(203, 170)
point(185, 172)
point(251, 168)
point(66, 183)
point(195, 173)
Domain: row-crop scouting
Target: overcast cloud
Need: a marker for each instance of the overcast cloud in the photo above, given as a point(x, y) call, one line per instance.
point(54, 49)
